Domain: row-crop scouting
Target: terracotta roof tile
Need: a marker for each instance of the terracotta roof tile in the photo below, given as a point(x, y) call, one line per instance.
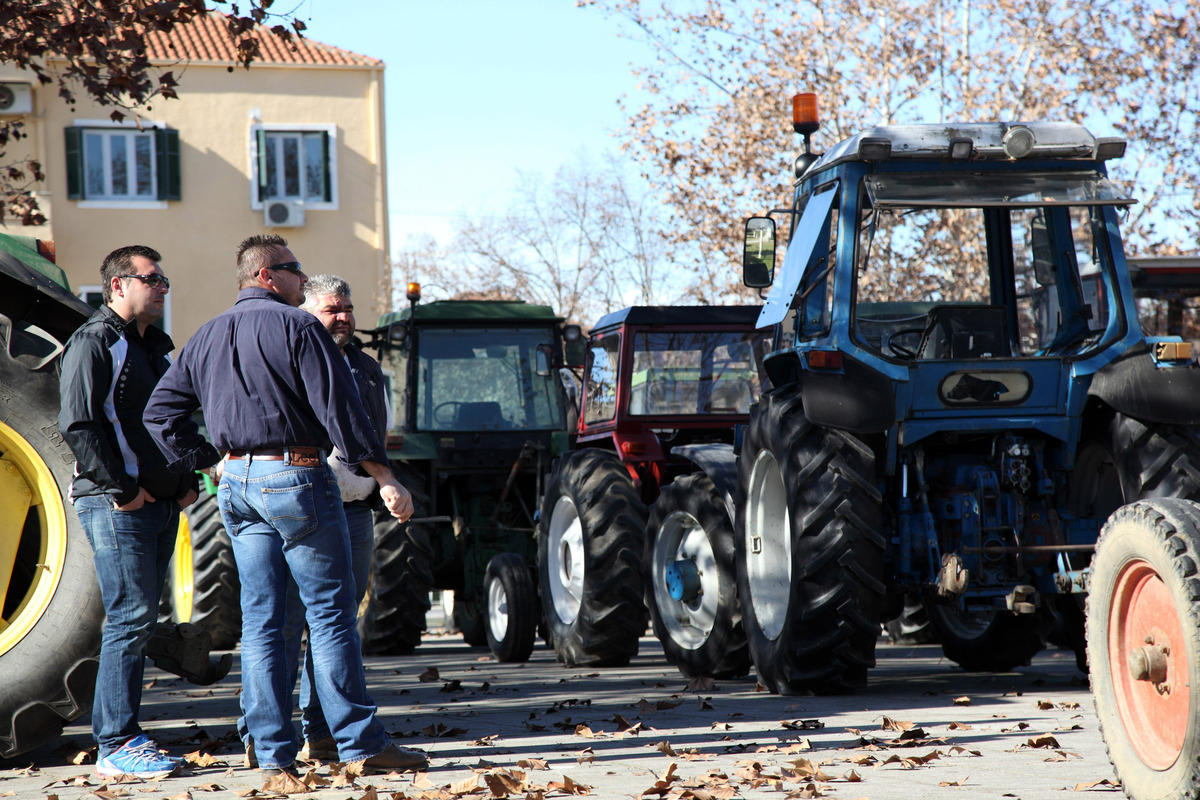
point(205, 40)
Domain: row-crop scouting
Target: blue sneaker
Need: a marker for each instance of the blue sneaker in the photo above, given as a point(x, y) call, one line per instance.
point(138, 757)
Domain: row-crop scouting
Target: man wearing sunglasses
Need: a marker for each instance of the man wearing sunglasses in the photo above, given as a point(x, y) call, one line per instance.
point(127, 500)
point(277, 397)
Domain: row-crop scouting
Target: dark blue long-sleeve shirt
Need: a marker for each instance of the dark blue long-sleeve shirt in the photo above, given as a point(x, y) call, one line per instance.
point(267, 375)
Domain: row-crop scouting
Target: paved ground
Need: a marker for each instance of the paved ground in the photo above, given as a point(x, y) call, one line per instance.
point(496, 730)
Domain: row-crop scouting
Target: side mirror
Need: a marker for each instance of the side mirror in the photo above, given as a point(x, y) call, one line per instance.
point(758, 253)
point(574, 345)
point(1043, 254)
point(544, 357)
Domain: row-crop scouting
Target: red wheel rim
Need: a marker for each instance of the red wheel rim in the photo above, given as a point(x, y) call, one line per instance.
point(1155, 715)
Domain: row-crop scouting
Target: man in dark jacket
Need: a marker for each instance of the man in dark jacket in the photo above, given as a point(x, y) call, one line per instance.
point(126, 499)
point(277, 396)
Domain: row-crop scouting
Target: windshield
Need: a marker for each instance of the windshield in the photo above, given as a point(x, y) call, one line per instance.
point(485, 379)
point(932, 282)
point(695, 373)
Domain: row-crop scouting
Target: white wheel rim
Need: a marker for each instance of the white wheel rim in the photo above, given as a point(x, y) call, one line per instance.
point(497, 610)
point(768, 545)
point(682, 537)
point(564, 548)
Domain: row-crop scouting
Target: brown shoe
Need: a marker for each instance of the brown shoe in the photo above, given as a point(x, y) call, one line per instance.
point(321, 750)
point(394, 759)
point(250, 762)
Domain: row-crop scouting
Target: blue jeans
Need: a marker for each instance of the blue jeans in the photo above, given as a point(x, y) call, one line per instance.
point(286, 522)
point(132, 552)
point(361, 523)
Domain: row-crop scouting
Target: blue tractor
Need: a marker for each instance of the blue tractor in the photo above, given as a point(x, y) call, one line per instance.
point(961, 397)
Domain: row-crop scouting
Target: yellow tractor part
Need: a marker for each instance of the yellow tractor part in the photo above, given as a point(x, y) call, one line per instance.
point(183, 576)
point(31, 506)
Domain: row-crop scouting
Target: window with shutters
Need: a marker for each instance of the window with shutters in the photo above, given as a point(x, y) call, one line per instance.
point(122, 165)
point(294, 163)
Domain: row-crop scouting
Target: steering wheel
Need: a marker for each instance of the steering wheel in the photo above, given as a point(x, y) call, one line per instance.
point(902, 350)
point(437, 412)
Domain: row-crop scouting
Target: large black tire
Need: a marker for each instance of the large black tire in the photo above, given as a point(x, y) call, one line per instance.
point(512, 609)
point(203, 586)
point(49, 598)
point(590, 542)
point(392, 615)
point(469, 620)
point(809, 550)
point(985, 640)
point(1144, 606)
point(1156, 460)
point(701, 635)
point(912, 626)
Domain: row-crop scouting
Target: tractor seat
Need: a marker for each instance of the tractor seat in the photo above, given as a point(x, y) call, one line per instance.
point(479, 416)
point(964, 332)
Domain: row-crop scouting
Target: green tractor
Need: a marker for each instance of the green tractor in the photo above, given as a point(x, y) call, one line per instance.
point(480, 408)
point(52, 615)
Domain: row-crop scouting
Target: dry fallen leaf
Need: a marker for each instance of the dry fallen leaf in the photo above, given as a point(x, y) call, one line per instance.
point(584, 731)
point(899, 726)
point(665, 747)
point(1046, 741)
point(1045, 705)
point(959, 782)
point(569, 786)
point(962, 701)
point(1083, 787)
point(285, 783)
point(532, 763)
point(960, 726)
point(429, 676)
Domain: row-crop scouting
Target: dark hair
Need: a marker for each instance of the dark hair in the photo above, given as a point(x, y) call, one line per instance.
point(120, 262)
point(254, 253)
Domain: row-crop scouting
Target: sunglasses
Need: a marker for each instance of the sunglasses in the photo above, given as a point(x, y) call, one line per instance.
point(153, 281)
point(289, 266)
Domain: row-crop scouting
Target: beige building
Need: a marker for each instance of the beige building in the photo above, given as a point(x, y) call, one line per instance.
point(294, 146)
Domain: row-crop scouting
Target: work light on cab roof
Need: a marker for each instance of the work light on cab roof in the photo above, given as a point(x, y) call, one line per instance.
point(414, 292)
point(805, 122)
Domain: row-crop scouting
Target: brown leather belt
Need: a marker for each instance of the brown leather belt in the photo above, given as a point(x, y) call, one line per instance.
point(300, 456)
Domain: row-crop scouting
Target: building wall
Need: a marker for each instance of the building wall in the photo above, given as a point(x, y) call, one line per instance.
point(198, 234)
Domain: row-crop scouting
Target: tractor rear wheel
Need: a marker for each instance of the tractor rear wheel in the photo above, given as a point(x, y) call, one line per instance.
point(590, 543)
point(51, 614)
point(1143, 642)
point(512, 610)
point(203, 587)
point(1156, 460)
point(986, 640)
point(809, 550)
point(391, 617)
point(691, 580)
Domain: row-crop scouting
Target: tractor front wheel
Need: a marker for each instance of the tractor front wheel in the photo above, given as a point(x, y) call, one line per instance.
point(691, 580)
point(988, 640)
point(512, 611)
point(590, 543)
point(1143, 643)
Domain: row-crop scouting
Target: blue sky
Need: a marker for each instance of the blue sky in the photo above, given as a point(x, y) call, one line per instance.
point(479, 89)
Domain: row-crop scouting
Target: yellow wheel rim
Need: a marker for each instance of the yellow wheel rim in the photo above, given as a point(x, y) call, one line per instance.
point(183, 575)
point(32, 520)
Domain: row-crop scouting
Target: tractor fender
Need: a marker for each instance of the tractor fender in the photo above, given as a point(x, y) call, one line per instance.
point(859, 399)
point(718, 462)
point(1137, 387)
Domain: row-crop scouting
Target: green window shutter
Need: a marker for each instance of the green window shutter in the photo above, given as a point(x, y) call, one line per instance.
point(260, 139)
point(166, 143)
point(328, 169)
point(74, 138)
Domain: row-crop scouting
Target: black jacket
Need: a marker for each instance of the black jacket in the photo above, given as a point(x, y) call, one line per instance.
point(107, 374)
point(267, 375)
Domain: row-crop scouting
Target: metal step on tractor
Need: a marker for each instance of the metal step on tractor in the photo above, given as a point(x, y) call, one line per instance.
point(638, 517)
point(961, 396)
point(480, 408)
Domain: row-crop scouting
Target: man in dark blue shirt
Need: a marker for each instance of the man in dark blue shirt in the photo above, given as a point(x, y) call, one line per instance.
point(277, 395)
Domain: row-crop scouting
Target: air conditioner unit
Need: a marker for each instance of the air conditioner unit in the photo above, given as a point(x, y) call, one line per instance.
point(15, 98)
point(283, 214)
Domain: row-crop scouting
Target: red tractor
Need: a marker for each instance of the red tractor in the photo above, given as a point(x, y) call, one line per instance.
point(638, 517)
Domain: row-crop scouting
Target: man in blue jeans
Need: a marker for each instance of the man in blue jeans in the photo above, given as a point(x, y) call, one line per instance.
point(126, 499)
point(277, 396)
point(327, 297)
